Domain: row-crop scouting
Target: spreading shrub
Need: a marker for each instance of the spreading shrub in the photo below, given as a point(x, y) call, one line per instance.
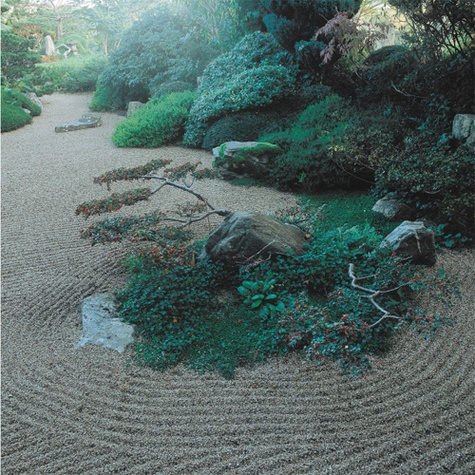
point(158, 122)
point(436, 175)
point(314, 148)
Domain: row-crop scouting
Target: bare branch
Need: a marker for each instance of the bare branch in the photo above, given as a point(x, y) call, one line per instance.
point(166, 181)
point(374, 294)
point(191, 220)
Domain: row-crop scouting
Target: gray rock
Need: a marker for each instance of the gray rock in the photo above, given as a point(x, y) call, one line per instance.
point(394, 210)
point(412, 239)
point(50, 49)
point(244, 159)
point(133, 106)
point(242, 236)
point(87, 121)
point(100, 327)
point(35, 99)
point(463, 126)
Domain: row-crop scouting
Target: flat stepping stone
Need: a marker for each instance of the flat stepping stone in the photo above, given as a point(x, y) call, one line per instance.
point(87, 121)
point(100, 327)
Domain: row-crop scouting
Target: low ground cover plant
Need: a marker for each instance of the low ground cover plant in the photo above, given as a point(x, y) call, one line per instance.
point(343, 298)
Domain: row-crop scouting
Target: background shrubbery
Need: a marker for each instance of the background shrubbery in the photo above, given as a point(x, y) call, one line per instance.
point(75, 74)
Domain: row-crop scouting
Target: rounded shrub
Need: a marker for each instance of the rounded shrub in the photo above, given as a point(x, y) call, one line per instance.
point(14, 117)
point(256, 73)
point(257, 87)
point(158, 122)
point(13, 114)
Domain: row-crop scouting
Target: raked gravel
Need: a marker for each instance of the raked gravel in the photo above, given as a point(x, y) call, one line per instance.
point(88, 411)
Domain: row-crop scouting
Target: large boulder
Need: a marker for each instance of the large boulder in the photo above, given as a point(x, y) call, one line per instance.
point(101, 327)
point(393, 209)
point(244, 159)
point(413, 240)
point(87, 121)
point(244, 236)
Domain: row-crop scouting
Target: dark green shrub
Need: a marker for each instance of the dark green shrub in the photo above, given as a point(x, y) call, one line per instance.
point(257, 87)
point(160, 121)
point(437, 178)
point(244, 127)
point(13, 115)
point(104, 97)
point(313, 148)
point(17, 56)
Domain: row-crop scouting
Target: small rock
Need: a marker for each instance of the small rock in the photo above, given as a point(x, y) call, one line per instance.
point(394, 210)
point(133, 106)
point(35, 99)
point(100, 327)
point(412, 239)
point(87, 121)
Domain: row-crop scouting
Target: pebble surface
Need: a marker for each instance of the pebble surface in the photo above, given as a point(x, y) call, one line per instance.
point(87, 411)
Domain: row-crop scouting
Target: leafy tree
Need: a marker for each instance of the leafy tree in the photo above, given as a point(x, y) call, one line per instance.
point(294, 23)
point(18, 57)
point(440, 26)
point(160, 48)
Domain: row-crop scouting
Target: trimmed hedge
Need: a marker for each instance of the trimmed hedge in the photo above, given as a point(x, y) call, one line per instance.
point(159, 122)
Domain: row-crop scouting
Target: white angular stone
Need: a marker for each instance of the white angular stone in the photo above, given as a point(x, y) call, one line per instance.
point(101, 327)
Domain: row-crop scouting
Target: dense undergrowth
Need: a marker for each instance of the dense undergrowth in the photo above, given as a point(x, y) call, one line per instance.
point(212, 318)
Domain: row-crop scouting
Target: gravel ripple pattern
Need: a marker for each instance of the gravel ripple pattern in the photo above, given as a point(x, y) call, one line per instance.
point(88, 411)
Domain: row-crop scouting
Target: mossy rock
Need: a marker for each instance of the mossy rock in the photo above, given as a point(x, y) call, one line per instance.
point(244, 159)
